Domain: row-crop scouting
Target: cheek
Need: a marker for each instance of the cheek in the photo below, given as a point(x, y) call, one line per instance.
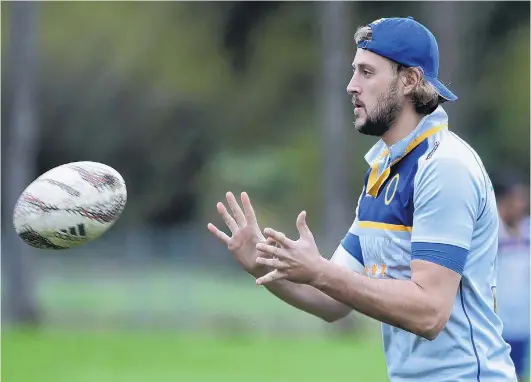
point(370, 99)
point(370, 106)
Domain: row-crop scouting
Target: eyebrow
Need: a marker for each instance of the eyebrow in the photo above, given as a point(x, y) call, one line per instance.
point(363, 66)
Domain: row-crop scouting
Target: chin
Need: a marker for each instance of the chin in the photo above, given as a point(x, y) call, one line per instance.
point(359, 124)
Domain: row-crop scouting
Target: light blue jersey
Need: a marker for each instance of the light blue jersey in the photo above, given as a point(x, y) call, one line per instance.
point(429, 197)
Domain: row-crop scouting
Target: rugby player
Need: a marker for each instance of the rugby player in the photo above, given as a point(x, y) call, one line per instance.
point(421, 254)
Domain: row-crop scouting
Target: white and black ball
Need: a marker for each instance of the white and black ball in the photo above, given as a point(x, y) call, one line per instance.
point(70, 205)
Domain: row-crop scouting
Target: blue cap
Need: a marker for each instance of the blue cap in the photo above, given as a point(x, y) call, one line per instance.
point(411, 44)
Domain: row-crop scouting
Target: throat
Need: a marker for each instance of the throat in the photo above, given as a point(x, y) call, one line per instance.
point(404, 125)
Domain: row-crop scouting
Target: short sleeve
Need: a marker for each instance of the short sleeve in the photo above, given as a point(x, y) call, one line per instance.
point(446, 206)
point(348, 253)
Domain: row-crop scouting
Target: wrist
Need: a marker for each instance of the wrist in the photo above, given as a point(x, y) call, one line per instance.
point(321, 269)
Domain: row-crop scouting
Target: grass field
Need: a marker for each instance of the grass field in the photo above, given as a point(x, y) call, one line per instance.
point(61, 356)
point(104, 324)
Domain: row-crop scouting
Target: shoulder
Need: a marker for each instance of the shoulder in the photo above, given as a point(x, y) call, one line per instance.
point(449, 157)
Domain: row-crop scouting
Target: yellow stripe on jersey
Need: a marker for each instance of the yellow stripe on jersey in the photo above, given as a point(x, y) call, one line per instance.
point(384, 226)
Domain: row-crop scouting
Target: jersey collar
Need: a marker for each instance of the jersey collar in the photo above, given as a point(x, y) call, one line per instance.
point(381, 158)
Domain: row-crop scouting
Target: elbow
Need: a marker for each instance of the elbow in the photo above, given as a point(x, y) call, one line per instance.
point(430, 333)
point(331, 318)
point(432, 326)
point(334, 316)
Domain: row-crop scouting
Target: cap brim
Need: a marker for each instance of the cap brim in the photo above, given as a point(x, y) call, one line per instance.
point(443, 91)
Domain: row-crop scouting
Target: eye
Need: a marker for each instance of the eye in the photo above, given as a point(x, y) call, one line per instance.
point(366, 73)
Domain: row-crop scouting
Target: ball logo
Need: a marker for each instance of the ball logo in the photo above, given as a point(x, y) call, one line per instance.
point(72, 233)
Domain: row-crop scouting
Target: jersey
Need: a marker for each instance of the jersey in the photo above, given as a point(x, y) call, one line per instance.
point(429, 197)
point(514, 299)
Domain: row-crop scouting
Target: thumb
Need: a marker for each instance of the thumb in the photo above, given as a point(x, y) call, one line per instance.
point(303, 228)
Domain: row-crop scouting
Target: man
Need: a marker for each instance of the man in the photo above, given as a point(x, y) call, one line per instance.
point(420, 256)
point(514, 304)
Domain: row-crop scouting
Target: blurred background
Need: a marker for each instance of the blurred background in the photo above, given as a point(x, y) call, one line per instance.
point(188, 100)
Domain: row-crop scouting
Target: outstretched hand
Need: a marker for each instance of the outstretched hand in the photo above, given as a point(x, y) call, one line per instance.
point(297, 261)
point(244, 229)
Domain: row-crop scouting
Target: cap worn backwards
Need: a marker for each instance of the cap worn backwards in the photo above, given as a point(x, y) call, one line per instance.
point(411, 44)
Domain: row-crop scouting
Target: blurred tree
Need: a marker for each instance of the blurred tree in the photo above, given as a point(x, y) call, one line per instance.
point(129, 93)
point(241, 17)
point(503, 128)
point(455, 29)
point(161, 92)
point(338, 209)
point(19, 293)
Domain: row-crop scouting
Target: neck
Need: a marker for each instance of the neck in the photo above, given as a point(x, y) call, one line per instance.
point(404, 124)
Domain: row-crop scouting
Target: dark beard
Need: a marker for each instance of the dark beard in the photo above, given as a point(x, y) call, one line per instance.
point(388, 107)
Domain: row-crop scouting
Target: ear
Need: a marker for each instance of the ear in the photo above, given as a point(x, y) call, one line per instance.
point(411, 79)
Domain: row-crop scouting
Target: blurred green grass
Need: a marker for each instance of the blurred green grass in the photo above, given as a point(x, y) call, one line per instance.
point(63, 356)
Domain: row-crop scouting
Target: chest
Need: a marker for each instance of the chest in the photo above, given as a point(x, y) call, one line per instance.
point(392, 206)
point(388, 217)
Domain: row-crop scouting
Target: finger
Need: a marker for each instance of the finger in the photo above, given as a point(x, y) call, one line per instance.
point(279, 237)
point(222, 236)
point(272, 241)
point(270, 277)
point(229, 220)
point(272, 263)
point(248, 209)
point(271, 250)
point(302, 226)
point(236, 210)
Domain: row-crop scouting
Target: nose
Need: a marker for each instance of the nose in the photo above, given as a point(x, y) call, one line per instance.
point(353, 87)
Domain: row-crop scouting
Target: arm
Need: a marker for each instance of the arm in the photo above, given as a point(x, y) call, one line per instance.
point(311, 300)
point(446, 206)
point(308, 299)
point(421, 305)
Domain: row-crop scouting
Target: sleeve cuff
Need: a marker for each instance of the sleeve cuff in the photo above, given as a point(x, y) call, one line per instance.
point(446, 255)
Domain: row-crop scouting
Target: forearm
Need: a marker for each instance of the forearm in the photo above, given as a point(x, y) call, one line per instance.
point(400, 303)
point(307, 299)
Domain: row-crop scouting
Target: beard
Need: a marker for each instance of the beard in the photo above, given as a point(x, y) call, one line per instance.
point(381, 118)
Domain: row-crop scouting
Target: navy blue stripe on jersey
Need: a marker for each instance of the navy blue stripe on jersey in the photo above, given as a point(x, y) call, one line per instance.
point(449, 256)
point(352, 245)
point(471, 331)
point(394, 203)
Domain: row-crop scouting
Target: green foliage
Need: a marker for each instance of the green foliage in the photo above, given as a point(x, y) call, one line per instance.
point(149, 88)
point(160, 43)
point(504, 91)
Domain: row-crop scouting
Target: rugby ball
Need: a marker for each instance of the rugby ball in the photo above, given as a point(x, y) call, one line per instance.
point(70, 205)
